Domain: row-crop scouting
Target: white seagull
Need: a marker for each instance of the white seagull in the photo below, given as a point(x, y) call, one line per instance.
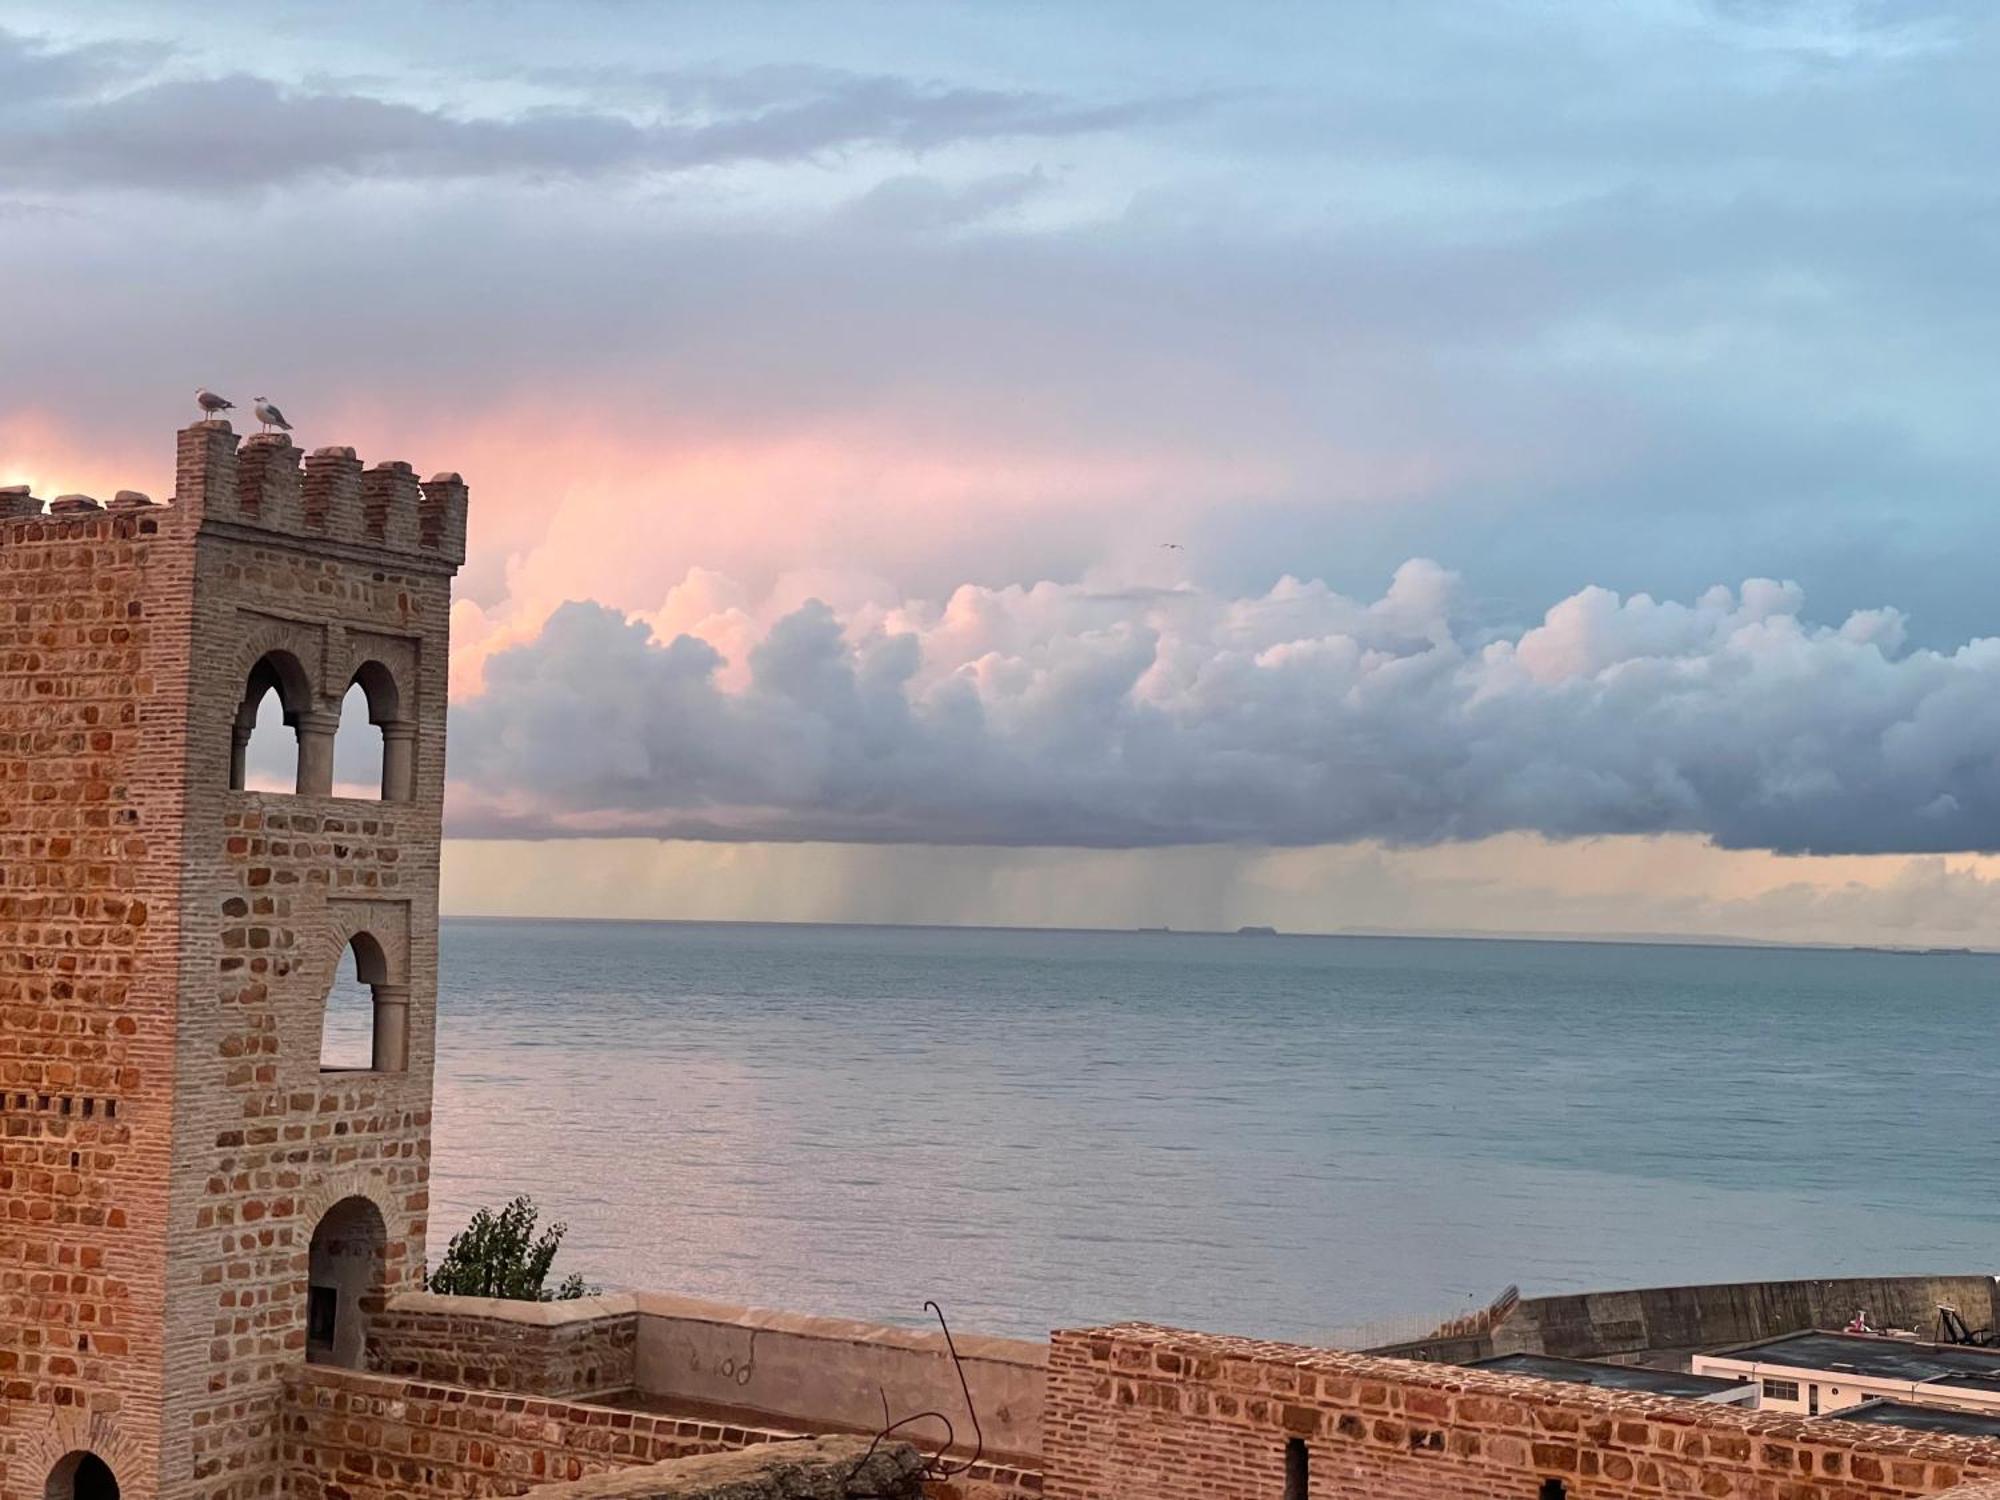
point(211, 404)
point(270, 416)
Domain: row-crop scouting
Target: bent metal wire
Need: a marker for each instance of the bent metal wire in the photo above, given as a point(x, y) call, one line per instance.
point(936, 1466)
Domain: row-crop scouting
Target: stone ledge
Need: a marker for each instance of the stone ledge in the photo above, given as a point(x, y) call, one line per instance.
point(506, 1310)
point(815, 1469)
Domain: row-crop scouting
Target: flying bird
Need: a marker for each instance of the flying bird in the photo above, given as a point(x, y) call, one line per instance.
point(211, 404)
point(270, 416)
point(1171, 546)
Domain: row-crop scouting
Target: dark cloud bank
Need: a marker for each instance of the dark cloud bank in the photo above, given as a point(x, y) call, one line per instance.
point(102, 116)
point(1057, 716)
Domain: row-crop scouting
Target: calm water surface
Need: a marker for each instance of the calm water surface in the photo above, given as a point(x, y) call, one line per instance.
point(1275, 1136)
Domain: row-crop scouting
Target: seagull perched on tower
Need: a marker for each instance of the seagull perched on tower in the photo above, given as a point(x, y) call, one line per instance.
point(270, 416)
point(211, 404)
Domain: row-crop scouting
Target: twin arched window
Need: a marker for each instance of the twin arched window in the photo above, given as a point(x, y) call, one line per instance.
point(365, 1027)
point(366, 748)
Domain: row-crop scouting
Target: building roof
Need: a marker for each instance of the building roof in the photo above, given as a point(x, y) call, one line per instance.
point(1609, 1376)
point(1868, 1354)
point(1968, 1381)
point(1881, 1413)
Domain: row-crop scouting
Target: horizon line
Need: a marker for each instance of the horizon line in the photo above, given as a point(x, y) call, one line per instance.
point(1265, 931)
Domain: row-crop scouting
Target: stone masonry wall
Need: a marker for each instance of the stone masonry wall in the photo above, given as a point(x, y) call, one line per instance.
point(1143, 1413)
point(95, 612)
point(584, 1347)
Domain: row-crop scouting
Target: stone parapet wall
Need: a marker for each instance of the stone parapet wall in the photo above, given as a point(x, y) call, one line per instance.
point(583, 1347)
point(841, 1468)
point(1143, 1413)
point(835, 1374)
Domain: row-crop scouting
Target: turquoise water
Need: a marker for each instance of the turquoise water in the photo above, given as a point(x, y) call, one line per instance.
point(1276, 1136)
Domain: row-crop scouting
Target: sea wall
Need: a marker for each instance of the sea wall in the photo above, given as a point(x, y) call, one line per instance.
point(1675, 1319)
point(1143, 1413)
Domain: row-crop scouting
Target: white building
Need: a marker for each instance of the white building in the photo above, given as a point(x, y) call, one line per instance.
point(1815, 1373)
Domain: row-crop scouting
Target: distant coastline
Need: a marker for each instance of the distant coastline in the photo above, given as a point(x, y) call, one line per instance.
point(1451, 935)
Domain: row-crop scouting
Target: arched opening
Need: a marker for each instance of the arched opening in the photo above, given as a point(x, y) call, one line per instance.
point(365, 1025)
point(374, 753)
point(263, 755)
point(345, 1280)
point(81, 1476)
point(357, 749)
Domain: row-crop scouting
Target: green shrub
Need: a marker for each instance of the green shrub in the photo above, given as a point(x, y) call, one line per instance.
point(499, 1255)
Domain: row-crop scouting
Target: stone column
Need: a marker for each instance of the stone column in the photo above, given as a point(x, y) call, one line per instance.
point(399, 761)
point(392, 1028)
point(316, 730)
point(239, 754)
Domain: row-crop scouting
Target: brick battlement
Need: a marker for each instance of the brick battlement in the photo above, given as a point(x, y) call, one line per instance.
point(267, 484)
point(324, 496)
point(1141, 1410)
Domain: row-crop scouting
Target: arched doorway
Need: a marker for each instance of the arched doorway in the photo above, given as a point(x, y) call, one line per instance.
point(81, 1476)
point(344, 1282)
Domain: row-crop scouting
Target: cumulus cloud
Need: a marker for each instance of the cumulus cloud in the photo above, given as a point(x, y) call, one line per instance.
point(102, 120)
point(1077, 715)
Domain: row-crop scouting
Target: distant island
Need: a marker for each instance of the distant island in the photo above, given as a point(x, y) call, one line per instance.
point(1256, 932)
point(1916, 952)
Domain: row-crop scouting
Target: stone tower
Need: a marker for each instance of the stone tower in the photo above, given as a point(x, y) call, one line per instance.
point(190, 1206)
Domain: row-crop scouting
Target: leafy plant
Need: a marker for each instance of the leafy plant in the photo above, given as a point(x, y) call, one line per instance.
point(500, 1255)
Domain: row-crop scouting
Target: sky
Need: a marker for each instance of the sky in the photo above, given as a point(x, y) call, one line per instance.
point(1421, 466)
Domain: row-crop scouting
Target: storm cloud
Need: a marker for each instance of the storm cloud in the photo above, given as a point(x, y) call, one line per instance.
point(1064, 715)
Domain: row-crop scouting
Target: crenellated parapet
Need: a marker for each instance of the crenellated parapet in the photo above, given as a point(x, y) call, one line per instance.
point(65, 512)
point(268, 483)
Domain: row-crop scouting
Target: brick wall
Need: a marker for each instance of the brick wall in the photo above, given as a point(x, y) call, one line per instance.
point(577, 1348)
point(355, 1436)
point(1143, 1413)
point(95, 612)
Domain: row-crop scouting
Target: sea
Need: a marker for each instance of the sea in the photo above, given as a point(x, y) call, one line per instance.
point(1317, 1138)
